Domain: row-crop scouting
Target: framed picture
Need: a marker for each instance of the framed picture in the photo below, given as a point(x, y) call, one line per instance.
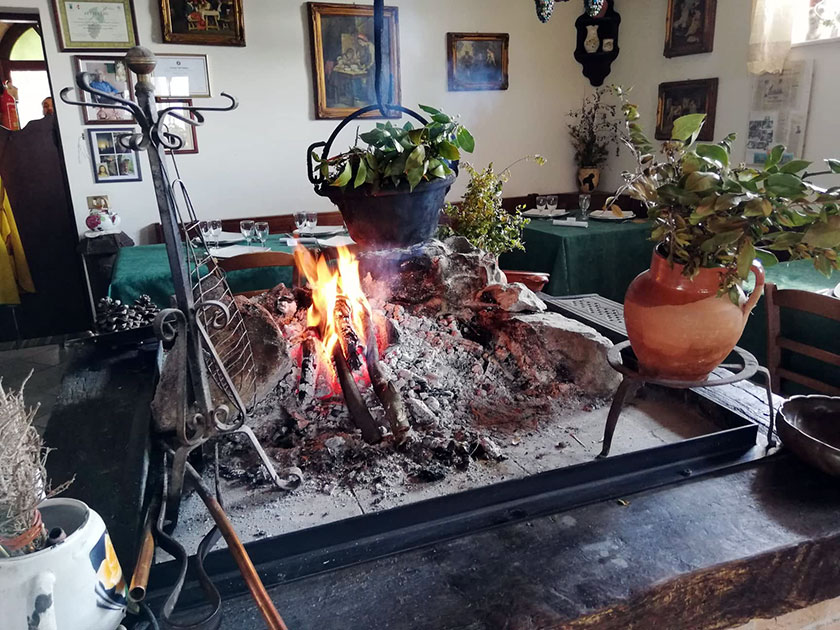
point(343, 60)
point(477, 61)
point(182, 76)
point(690, 27)
point(207, 22)
point(111, 75)
point(104, 25)
point(178, 127)
point(110, 159)
point(679, 98)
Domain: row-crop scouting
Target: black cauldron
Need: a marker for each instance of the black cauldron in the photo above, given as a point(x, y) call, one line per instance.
point(391, 217)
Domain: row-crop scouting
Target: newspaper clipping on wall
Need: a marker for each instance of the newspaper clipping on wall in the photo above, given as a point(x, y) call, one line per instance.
point(779, 112)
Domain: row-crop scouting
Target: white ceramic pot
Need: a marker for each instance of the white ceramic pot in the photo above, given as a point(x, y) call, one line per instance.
point(75, 585)
point(592, 42)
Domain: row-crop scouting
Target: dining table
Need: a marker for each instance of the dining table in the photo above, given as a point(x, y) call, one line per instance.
point(144, 269)
point(601, 258)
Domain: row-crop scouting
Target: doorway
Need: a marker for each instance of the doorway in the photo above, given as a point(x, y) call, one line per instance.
point(42, 289)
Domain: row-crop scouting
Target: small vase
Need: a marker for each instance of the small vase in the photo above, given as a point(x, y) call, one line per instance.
point(679, 328)
point(588, 178)
point(591, 43)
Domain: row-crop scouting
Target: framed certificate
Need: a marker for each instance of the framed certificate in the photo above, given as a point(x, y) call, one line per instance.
point(181, 76)
point(103, 25)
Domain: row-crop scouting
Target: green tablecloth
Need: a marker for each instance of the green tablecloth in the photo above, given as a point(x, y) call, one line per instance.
point(602, 258)
point(803, 327)
point(145, 269)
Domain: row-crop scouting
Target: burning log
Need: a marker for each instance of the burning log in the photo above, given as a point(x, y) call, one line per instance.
point(308, 370)
point(347, 336)
point(353, 399)
point(391, 400)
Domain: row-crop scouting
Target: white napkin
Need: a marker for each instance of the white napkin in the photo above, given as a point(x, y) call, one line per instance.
point(570, 223)
point(336, 241)
point(234, 250)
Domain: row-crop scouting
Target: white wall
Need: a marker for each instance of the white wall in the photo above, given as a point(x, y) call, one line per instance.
point(642, 65)
point(251, 161)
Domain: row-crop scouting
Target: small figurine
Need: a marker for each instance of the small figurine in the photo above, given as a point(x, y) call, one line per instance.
point(8, 107)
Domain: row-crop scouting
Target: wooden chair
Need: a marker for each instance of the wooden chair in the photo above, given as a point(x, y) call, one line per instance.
point(808, 302)
point(258, 260)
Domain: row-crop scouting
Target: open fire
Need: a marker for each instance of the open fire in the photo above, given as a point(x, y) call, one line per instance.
point(341, 328)
point(407, 365)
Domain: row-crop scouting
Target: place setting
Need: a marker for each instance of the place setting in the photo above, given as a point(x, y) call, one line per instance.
point(546, 208)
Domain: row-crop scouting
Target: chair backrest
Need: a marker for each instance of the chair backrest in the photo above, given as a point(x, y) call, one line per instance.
point(809, 302)
point(257, 260)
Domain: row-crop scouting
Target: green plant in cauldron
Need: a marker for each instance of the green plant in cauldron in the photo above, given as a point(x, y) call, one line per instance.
point(480, 217)
point(391, 189)
point(711, 219)
point(394, 155)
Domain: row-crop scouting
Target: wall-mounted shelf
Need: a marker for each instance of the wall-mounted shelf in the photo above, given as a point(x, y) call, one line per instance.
point(597, 42)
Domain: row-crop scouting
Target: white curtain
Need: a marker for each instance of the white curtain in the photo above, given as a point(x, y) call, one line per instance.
point(770, 35)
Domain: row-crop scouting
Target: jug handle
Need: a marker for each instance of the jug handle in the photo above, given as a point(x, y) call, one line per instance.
point(758, 270)
point(43, 602)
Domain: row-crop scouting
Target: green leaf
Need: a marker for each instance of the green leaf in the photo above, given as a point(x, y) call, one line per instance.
point(415, 158)
point(775, 156)
point(784, 185)
point(465, 140)
point(795, 166)
point(430, 110)
point(671, 192)
point(697, 181)
point(441, 118)
point(767, 258)
point(833, 164)
point(416, 136)
point(746, 255)
point(824, 235)
point(687, 126)
point(361, 175)
point(720, 240)
point(713, 153)
point(344, 177)
point(449, 150)
point(758, 208)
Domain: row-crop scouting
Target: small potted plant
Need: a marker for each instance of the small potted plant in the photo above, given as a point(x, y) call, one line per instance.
point(481, 219)
point(390, 190)
point(593, 128)
point(713, 222)
point(57, 564)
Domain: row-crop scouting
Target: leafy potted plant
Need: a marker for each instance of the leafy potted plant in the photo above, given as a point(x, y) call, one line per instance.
point(57, 565)
point(713, 222)
point(592, 128)
point(391, 190)
point(481, 219)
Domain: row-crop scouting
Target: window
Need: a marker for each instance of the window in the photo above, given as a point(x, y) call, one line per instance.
point(27, 47)
point(22, 61)
point(816, 20)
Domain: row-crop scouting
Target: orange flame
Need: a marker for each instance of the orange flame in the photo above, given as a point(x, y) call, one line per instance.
point(328, 282)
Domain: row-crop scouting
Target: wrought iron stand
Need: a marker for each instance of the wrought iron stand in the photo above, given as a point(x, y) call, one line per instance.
point(747, 368)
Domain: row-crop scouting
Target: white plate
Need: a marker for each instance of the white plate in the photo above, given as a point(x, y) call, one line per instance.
point(225, 238)
point(607, 215)
point(534, 213)
point(234, 250)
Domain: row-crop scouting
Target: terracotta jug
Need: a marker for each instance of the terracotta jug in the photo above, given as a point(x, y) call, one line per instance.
point(678, 327)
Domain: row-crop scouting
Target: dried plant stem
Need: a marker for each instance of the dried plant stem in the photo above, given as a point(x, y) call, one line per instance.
point(23, 476)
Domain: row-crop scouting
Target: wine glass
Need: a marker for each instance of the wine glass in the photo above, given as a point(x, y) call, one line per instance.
point(206, 232)
point(261, 232)
point(551, 202)
point(541, 202)
point(300, 221)
point(311, 220)
point(583, 202)
point(247, 229)
point(216, 230)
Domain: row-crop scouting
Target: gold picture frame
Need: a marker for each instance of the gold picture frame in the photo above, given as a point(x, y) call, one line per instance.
point(477, 61)
point(197, 22)
point(343, 70)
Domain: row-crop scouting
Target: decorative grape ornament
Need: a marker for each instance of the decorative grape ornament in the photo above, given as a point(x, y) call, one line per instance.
point(544, 10)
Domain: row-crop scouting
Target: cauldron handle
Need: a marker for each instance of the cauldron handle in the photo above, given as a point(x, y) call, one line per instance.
point(328, 144)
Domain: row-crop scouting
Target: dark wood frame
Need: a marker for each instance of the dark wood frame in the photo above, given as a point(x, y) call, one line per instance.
point(452, 40)
point(94, 153)
point(707, 134)
point(10, 38)
point(316, 11)
point(63, 46)
point(809, 302)
point(203, 38)
point(87, 113)
point(185, 101)
point(707, 41)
